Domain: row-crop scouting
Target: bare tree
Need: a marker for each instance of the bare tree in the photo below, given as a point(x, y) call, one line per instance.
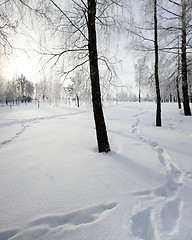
point(141, 74)
point(173, 26)
point(78, 32)
point(158, 95)
point(7, 27)
point(145, 42)
point(102, 138)
point(178, 16)
point(177, 79)
point(1, 89)
point(21, 84)
point(184, 20)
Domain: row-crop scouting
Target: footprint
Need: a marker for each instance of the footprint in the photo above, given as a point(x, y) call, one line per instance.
point(142, 226)
point(143, 193)
point(170, 215)
point(5, 142)
point(30, 234)
point(44, 225)
point(154, 144)
point(169, 189)
point(161, 156)
point(134, 129)
point(8, 234)
point(84, 216)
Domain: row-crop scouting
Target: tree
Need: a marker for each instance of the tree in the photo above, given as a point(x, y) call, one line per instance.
point(29, 89)
point(158, 95)
point(7, 26)
point(184, 21)
point(180, 24)
point(24, 87)
point(80, 86)
point(21, 84)
point(41, 90)
point(190, 76)
point(144, 35)
point(102, 138)
point(177, 80)
point(78, 47)
point(1, 89)
point(173, 32)
point(10, 92)
point(141, 74)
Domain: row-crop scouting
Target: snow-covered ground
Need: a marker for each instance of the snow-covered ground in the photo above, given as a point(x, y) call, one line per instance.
point(55, 186)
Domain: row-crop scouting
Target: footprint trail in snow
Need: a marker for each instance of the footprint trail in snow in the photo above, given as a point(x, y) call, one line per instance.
point(149, 223)
point(46, 224)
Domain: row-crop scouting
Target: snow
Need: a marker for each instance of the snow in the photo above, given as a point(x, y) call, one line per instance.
point(54, 184)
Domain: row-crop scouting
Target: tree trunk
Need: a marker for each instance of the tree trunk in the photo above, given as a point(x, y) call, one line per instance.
point(178, 93)
point(139, 94)
point(177, 80)
point(77, 98)
point(158, 95)
point(102, 139)
point(186, 106)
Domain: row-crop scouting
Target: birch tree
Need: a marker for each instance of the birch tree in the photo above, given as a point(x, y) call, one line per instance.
point(77, 23)
point(102, 138)
point(141, 74)
point(146, 40)
point(184, 21)
point(158, 95)
point(7, 27)
point(178, 16)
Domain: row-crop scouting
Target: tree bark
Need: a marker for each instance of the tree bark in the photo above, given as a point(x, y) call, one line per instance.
point(102, 139)
point(158, 95)
point(177, 80)
point(139, 94)
point(186, 106)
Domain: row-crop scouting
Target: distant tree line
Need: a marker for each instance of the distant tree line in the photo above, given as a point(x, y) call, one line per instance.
point(16, 91)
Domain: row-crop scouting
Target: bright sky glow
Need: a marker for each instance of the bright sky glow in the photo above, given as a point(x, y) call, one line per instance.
point(22, 64)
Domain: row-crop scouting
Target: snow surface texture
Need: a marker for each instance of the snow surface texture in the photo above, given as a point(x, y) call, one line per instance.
point(54, 184)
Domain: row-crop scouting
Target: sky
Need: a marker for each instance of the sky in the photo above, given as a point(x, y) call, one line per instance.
point(27, 62)
point(23, 64)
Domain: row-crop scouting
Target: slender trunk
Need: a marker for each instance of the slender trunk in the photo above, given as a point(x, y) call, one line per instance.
point(178, 93)
point(77, 98)
point(186, 106)
point(177, 80)
point(158, 95)
point(102, 139)
point(139, 94)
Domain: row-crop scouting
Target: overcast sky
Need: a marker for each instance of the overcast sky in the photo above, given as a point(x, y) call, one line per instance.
point(27, 62)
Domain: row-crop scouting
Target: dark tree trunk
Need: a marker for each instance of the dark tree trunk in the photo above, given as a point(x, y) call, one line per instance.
point(178, 93)
point(158, 95)
point(102, 139)
point(177, 80)
point(139, 94)
point(186, 106)
point(77, 97)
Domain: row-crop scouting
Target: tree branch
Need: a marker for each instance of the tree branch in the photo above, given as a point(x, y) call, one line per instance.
point(71, 22)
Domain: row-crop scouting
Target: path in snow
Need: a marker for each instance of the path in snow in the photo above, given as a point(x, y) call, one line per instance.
point(24, 124)
point(164, 216)
point(45, 225)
